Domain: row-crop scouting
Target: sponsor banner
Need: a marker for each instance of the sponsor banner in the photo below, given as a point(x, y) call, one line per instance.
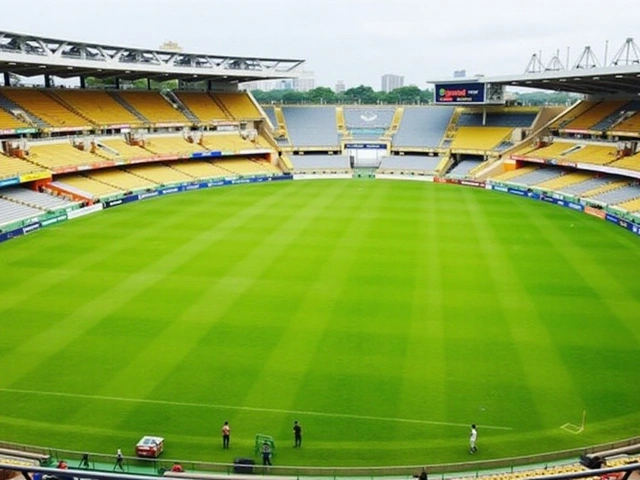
point(472, 183)
point(31, 228)
point(471, 92)
point(53, 220)
point(634, 228)
point(142, 196)
point(81, 212)
point(365, 146)
point(411, 178)
point(25, 130)
point(258, 151)
point(166, 191)
point(212, 154)
point(515, 191)
point(120, 201)
point(31, 177)
point(575, 206)
point(533, 195)
point(596, 212)
point(9, 181)
point(500, 188)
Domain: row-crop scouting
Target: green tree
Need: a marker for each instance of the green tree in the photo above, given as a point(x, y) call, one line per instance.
point(321, 95)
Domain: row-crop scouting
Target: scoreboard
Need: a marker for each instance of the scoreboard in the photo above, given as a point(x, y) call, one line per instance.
point(468, 93)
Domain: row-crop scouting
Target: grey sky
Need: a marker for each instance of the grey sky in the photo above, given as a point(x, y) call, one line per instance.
point(353, 40)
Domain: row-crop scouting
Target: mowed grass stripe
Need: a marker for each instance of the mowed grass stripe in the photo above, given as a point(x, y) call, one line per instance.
point(537, 354)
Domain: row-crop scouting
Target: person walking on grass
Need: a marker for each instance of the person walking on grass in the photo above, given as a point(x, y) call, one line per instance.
point(226, 434)
point(119, 461)
point(472, 439)
point(297, 435)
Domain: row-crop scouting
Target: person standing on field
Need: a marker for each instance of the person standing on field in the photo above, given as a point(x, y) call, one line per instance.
point(472, 439)
point(297, 435)
point(226, 434)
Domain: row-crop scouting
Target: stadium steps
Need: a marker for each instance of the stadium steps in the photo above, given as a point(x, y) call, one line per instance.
point(173, 99)
point(340, 121)
point(395, 122)
point(282, 124)
point(67, 105)
point(222, 107)
point(129, 108)
point(450, 131)
point(444, 165)
point(606, 188)
point(17, 111)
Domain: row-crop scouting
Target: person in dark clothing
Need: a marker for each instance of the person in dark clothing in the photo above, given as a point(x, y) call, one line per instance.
point(226, 434)
point(266, 454)
point(297, 435)
point(84, 461)
point(423, 474)
point(119, 461)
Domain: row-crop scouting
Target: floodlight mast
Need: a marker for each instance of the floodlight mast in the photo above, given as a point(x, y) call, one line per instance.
point(628, 54)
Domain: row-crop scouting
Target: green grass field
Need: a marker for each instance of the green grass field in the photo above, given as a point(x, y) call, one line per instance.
point(384, 316)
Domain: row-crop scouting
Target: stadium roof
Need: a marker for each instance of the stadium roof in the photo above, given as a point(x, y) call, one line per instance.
point(30, 55)
point(620, 77)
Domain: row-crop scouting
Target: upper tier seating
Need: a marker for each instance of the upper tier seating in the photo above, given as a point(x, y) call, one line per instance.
point(576, 152)
point(226, 142)
point(153, 106)
point(422, 127)
point(479, 138)
point(13, 167)
point(497, 119)
point(538, 176)
point(597, 112)
point(39, 104)
point(202, 105)
point(98, 106)
point(239, 104)
point(171, 146)
point(9, 122)
point(631, 162)
point(312, 126)
point(368, 117)
point(60, 155)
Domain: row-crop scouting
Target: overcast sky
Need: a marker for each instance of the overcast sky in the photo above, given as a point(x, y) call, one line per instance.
point(352, 40)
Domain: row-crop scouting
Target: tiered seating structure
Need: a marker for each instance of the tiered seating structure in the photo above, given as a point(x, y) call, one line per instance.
point(13, 167)
point(57, 156)
point(160, 174)
point(97, 106)
point(422, 128)
point(9, 122)
point(312, 127)
point(593, 115)
point(200, 170)
point(480, 138)
point(203, 106)
point(239, 105)
point(39, 104)
point(368, 123)
point(11, 212)
point(36, 199)
point(87, 187)
point(153, 107)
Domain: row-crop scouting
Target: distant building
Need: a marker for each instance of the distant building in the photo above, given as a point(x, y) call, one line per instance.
point(305, 82)
point(170, 46)
point(459, 74)
point(391, 82)
point(340, 88)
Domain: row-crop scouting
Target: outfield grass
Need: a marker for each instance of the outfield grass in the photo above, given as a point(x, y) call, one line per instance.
point(384, 316)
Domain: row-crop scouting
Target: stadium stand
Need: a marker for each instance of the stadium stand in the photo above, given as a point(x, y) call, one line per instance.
point(479, 138)
point(172, 145)
point(409, 163)
point(121, 179)
point(618, 195)
point(152, 106)
point(203, 106)
point(512, 174)
point(496, 119)
point(312, 127)
point(200, 170)
point(631, 162)
point(160, 173)
point(462, 168)
point(97, 106)
point(422, 127)
point(9, 122)
point(271, 114)
point(226, 142)
point(631, 206)
point(43, 106)
point(36, 199)
point(11, 212)
point(246, 166)
point(368, 122)
point(592, 116)
point(59, 155)
point(559, 183)
point(12, 167)
point(238, 104)
point(86, 187)
point(119, 148)
point(587, 185)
